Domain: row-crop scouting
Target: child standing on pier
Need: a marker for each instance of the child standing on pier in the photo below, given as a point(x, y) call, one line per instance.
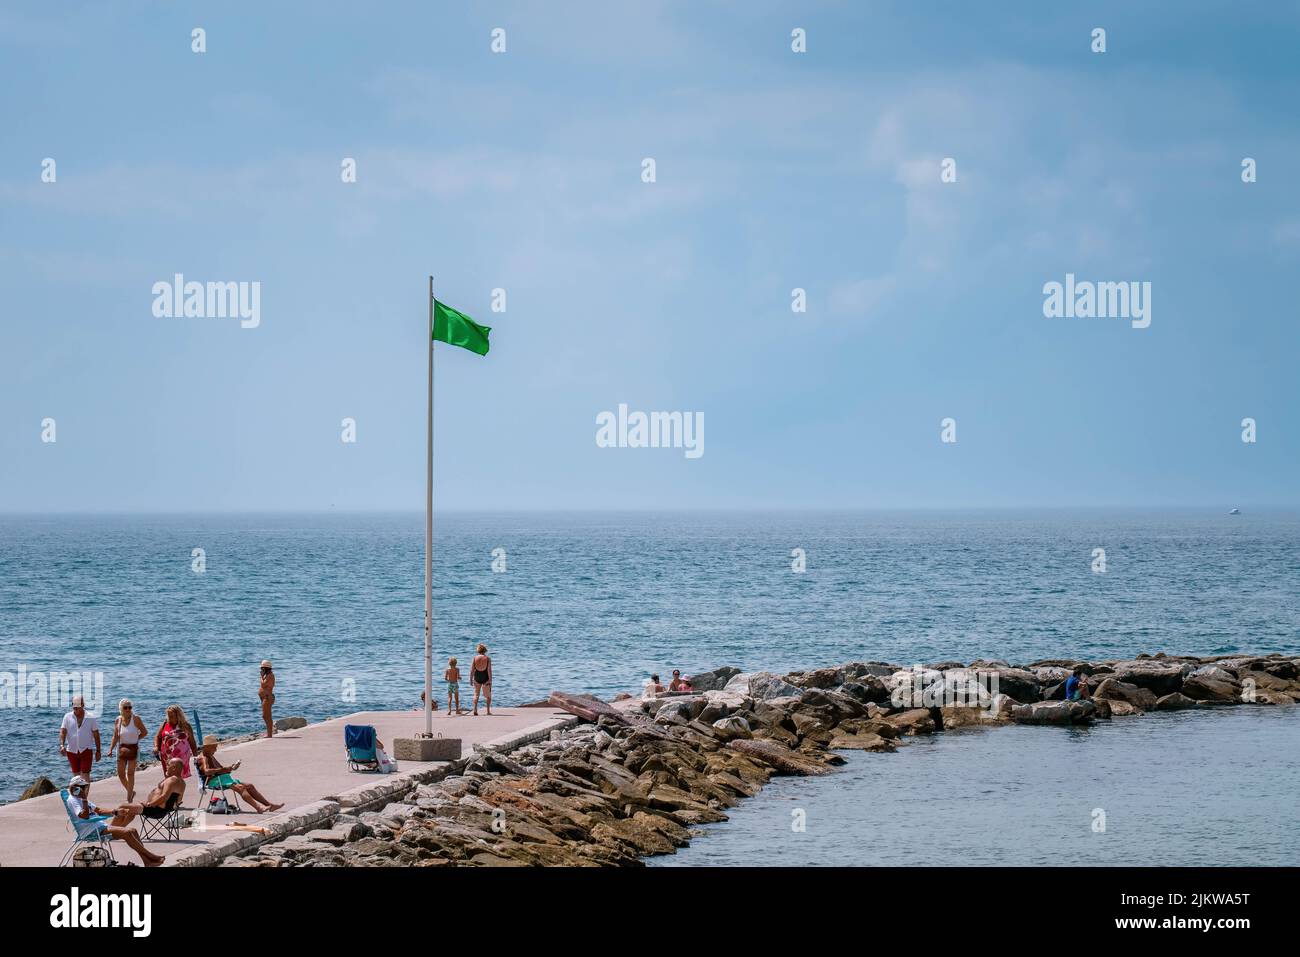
point(452, 677)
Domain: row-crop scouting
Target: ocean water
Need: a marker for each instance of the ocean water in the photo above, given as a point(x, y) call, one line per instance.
point(594, 601)
point(1187, 788)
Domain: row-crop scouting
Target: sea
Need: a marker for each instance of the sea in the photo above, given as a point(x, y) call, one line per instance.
point(182, 608)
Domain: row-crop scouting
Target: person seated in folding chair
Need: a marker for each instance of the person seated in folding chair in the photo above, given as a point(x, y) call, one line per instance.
point(160, 813)
point(218, 777)
point(111, 821)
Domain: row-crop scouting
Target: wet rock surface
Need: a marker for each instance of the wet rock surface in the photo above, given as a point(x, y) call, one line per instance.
point(639, 779)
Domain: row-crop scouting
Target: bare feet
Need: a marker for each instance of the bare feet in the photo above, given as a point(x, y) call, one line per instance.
point(274, 807)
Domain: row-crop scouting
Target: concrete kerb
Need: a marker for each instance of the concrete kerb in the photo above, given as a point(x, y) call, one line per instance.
point(365, 797)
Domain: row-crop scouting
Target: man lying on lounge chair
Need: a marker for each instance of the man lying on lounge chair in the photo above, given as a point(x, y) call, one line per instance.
point(112, 821)
point(218, 776)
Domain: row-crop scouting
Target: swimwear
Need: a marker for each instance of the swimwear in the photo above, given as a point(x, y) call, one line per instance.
point(453, 687)
point(128, 733)
point(222, 781)
point(480, 677)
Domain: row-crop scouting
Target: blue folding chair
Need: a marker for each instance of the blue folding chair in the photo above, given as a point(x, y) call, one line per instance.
point(88, 832)
point(359, 741)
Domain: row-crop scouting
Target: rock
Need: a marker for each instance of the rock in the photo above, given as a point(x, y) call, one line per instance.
point(1054, 712)
point(1118, 708)
point(587, 707)
point(1161, 677)
point(1020, 684)
point(1175, 702)
point(955, 716)
point(821, 678)
point(1212, 683)
point(861, 742)
point(1113, 689)
point(907, 686)
point(42, 785)
point(867, 689)
point(784, 760)
point(1002, 706)
point(682, 711)
point(291, 724)
point(761, 685)
point(915, 721)
point(1048, 674)
point(714, 680)
point(733, 727)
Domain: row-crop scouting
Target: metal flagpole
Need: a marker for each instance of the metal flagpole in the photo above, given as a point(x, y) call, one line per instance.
point(428, 544)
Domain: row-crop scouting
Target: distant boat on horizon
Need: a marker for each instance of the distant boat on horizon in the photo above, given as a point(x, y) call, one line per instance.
point(1235, 511)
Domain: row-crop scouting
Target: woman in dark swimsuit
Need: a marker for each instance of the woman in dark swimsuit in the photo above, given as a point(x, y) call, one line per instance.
point(480, 671)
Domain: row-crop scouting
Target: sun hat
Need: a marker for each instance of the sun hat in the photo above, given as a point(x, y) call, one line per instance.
point(266, 662)
point(209, 740)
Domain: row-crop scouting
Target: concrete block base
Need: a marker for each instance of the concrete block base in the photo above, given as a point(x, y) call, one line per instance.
point(426, 749)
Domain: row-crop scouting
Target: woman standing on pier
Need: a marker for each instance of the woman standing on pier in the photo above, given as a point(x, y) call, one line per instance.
point(266, 691)
point(480, 673)
point(128, 730)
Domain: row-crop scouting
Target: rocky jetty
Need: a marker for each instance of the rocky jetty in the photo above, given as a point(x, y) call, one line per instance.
point(639, 777)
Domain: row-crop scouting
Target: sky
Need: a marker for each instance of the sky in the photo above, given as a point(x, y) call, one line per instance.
point(775, 170)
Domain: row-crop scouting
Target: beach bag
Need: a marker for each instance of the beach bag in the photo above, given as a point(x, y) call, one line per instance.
point(92, 856)
point(219, 806)
point(386, 764)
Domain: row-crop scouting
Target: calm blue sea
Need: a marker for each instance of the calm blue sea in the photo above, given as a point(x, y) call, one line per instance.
point(593, 601)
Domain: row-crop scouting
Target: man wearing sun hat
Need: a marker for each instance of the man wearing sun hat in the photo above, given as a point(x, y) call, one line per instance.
point(266, 691)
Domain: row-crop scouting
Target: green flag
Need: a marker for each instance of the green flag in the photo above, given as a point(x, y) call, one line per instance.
point(457, 329)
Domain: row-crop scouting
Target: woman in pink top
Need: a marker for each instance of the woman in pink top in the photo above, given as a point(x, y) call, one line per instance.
point(175, 739)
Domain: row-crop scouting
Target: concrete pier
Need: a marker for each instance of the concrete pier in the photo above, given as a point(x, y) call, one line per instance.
point(306, 769)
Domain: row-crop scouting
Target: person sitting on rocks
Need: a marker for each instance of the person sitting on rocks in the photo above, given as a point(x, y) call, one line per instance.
point(651, 687)
point(115, 822)
point(1076, 686)
point(219, 776)
point(678, 683)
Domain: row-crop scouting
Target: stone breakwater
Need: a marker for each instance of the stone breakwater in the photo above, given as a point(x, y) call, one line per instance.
point(639, 778)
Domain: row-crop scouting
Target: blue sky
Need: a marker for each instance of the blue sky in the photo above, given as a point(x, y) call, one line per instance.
point(775, 170)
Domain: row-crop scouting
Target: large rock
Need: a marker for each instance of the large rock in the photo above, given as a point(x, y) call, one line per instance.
point(1212, 683)
point(908, 687)
point(821, 678)
point(860, 742)
point(42, 785)
point(782, 759)
point(1115, 690)
point(1049, 674)
point(1054, 712)
point(914, 721)
point(290, 724)
point(762, 685)
point(682, 711)
point(1162, 677)
point(867, 689)
point(1118, 708)
point(731, 728)
point(714, 680)
point(1018, 683)
point(955, 716)
point(1175, 702)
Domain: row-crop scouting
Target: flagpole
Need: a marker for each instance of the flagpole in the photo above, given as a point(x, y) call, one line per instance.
point(428, 543)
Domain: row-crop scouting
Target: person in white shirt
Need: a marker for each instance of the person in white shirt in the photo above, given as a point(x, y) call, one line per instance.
point(113, 821)
point(79, 737)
